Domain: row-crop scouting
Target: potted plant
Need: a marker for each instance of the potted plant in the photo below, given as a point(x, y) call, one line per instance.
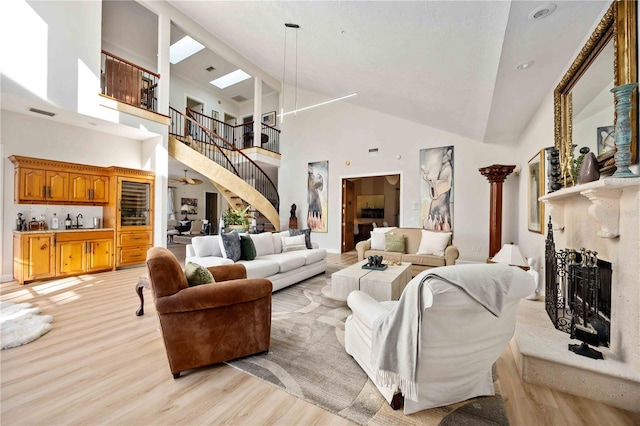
point(235, 218)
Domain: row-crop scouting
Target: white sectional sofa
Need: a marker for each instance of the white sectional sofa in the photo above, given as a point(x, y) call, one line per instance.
point(281, 268)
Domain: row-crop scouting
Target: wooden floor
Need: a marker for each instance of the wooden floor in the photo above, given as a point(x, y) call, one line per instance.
point(103, 365)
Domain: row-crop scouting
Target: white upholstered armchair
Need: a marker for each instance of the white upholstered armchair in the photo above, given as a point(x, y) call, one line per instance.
point(458, 339)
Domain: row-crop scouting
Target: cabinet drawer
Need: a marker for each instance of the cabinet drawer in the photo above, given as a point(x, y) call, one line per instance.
point(135, 238)
point(132, 255)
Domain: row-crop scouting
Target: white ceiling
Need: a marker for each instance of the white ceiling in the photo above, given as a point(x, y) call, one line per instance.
point(446, 64)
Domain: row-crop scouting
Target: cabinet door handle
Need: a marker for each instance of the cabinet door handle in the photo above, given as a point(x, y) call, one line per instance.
point(49, 192)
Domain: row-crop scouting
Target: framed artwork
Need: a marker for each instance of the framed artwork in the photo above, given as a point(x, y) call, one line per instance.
point(215, 114)
point(317, 178)
point(535, 182)
point(606, 139)
point(436, 188)
point(370, 206)
point(191, 203)
point(269, 118)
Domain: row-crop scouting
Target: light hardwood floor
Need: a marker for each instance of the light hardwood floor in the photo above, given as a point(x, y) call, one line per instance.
point(103, 365)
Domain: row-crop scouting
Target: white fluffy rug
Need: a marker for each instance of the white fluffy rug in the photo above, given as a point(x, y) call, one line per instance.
point(21, 324)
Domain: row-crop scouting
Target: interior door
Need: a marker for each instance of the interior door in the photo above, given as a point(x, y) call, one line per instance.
point(211, 212)
point(348, 213)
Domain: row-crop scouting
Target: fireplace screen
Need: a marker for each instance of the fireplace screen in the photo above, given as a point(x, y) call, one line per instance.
point(578, 291)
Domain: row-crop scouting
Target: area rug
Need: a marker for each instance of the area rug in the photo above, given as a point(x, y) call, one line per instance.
point(21, 323)
point(307, 359)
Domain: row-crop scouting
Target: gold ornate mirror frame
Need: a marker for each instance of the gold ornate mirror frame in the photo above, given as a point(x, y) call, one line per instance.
point(619, 24)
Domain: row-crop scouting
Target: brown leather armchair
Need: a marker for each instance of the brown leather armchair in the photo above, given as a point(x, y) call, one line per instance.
point(209, 323)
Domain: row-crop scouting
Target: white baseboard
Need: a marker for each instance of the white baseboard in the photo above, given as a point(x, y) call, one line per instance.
point(6, 278)
point(467, 262)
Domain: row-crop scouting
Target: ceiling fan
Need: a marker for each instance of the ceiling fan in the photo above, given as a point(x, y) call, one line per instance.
point(186, 180)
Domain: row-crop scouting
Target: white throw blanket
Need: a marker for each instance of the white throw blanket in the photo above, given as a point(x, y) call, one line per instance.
point(396, 336)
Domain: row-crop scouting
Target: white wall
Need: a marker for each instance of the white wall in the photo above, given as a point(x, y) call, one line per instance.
point(199, 192)
point(54, 52)
point(269, 103)
point(43, 138)
point(180, 89)
point(341, 132)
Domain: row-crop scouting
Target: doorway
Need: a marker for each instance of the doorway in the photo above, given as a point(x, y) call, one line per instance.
point(211, 212)
point(229, 130)
point(368, 202)
point(196, 106)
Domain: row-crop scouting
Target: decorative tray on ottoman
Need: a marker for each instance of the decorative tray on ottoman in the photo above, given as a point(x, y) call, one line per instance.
point(375, 268)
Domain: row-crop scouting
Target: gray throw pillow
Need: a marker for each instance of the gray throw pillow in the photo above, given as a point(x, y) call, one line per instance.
point(197, 274)
point(231, 243)
point(305, 232)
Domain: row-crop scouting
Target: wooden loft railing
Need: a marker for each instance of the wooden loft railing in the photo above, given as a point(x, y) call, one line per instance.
point(209, 143)
point(240, 135)
point(128, 82)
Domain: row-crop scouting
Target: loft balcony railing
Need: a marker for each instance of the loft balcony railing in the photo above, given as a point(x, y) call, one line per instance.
point(128, 83)
point(241, 136)
point(206, 140)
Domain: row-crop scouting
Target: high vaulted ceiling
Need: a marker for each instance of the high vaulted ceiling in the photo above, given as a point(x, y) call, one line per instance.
point(450, 65)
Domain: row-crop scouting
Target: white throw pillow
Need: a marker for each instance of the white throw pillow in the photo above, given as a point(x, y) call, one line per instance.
point(293, 243)
point(206, 246)
point(277, 240)
point(434, 242)
point(263, 243)
point(378, 241)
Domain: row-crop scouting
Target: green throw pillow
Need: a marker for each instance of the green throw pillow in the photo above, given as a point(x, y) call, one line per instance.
point(247, 248)
point(197, 274)
point(394, 242)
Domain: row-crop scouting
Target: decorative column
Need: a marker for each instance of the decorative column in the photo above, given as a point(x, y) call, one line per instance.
point(496, 174)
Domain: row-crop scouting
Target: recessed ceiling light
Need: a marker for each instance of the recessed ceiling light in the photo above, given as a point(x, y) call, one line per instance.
point(183, 48)
point(230, 79)
point(542, 11)
point(524, 65)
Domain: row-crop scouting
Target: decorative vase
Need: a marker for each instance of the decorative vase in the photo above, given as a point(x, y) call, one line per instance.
point(622, 95)
point(589, 168)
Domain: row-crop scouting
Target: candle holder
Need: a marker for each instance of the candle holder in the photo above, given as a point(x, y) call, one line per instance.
point(622, 95)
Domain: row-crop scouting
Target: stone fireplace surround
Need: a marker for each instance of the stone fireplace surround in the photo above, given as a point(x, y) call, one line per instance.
point(603, 216)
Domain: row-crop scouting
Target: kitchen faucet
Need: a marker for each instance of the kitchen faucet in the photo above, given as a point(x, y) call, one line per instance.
point(78, 221)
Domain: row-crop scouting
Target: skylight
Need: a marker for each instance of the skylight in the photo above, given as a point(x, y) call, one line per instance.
point(230, 79)
point(183, 48)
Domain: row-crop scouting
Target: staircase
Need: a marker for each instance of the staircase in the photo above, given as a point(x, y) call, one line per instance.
point(238, 178)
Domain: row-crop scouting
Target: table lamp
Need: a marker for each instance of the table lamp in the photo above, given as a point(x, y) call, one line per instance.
point(185, 209)
point(510, 254)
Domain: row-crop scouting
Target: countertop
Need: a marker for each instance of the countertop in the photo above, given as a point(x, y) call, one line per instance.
point(57, 231)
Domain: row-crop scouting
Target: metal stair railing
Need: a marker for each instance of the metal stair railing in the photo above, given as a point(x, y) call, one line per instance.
point(203, 138)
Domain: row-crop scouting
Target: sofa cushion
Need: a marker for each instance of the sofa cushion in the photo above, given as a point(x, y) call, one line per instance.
point(378, 241)
point(263, 243)
point(197, 274)
point(293, 243)
point(424, 259)
point(286, 261)
point(231, 243)
point(277, 240)
point(305, 232)
point(206, 246)
point(247, 249)
point(208, 261)
point(394, 242)
point(314, 255)
point(260, 268)
point(434, 242)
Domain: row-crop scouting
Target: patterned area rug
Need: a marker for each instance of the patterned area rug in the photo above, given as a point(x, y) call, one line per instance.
point(307, 359)
point(21, 324)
